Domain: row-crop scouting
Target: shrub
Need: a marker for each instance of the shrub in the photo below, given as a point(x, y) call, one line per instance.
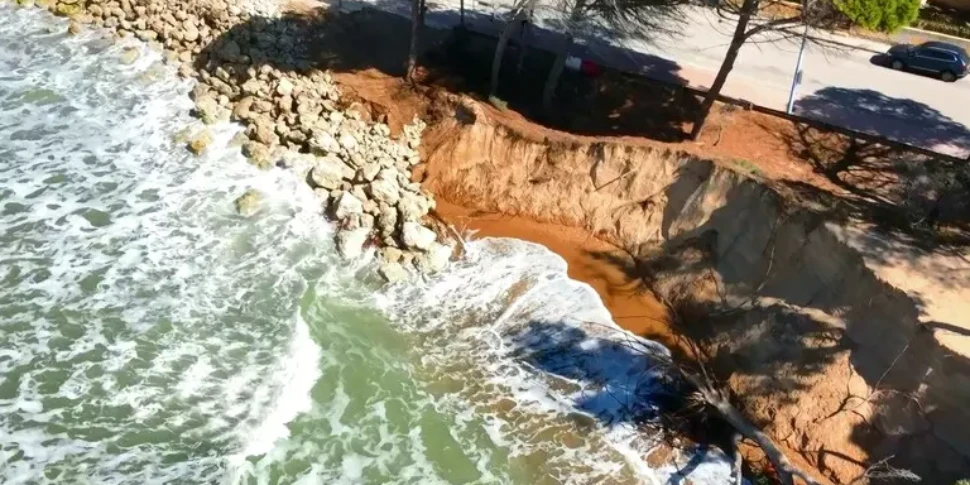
point(880, 15)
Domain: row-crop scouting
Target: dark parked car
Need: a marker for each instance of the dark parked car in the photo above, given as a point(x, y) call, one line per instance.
point(948, 61)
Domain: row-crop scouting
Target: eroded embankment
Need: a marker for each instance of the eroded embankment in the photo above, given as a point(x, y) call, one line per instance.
point(826, 357)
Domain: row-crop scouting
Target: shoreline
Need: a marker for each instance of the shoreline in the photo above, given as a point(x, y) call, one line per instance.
point(632, 306)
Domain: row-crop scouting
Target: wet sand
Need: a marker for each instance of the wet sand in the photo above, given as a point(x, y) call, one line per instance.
point(591, 260)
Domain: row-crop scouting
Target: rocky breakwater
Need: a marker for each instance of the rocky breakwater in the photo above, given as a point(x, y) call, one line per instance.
point(252, 67)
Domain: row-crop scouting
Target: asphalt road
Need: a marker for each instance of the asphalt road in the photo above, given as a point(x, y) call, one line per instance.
point(841, 85)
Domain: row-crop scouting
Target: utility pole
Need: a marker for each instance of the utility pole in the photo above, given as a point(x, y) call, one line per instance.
point(797, 77)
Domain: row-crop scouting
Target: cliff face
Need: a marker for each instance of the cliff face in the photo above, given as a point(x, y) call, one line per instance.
point(832, 361)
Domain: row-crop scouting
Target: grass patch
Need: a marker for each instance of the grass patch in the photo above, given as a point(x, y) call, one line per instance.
point(747, 166)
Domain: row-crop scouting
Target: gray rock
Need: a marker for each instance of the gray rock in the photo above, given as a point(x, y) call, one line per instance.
point(392, 272)
point(391, 254)
point(348, 142)
point(348, 205)
point(439, 255)
point(285, 87)
point(369, 170)
point(208, 109)
point(258, 154)
point(371, 207)
point(265, 132)
point(330, 172)
point(382, 190)
point(350, 243)
point(323, 143)
point(190, 32)
point(200, 141)
point(248, 203)
point(416, 236)
point(230, 51)
point(387, 220)
point(242, 109)
point(130, 55)
point(412, 206)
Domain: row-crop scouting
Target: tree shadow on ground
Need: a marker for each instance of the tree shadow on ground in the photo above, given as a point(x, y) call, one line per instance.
point(914, 198)
point(613, 103)
point(619, 379)
point(901, 120)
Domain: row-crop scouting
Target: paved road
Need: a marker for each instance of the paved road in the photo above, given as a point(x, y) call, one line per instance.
point(840, 85)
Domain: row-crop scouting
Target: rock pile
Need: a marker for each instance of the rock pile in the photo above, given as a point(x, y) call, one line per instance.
point(255, 70)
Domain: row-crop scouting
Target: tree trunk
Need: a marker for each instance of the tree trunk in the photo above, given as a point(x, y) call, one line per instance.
point(415, 30)
point(552, 81)
point(740, 33)
point(520, 12)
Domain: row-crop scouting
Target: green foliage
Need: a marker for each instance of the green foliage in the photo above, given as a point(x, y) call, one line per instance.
point(965, 481)
point(880, 15)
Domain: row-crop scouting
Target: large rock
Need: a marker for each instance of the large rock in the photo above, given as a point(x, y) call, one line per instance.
point(416, 236)
point(392, 272)
point(130, 55)
point(347, 206)
point(412, 206)
point(285, 87)
point(248, 203)
point(243, 109)
point(230, 51)
point(323, 143)
point(438, 256)
point(385, 191)
point(209, 111)
point(387, 220)
point(258, 154)
point(330, 172)
point(350, 243)
point(200, 141)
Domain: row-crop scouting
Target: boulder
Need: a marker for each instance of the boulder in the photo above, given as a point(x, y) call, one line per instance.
point(350, 243)
point(348, 205)
point(391, 254)
point(368, 170)
point(438, 256)
point(299, 163)
point(285, 87)
point(248, 203)
point(385, 191)
point(209, 111)
point(393, 272)
point(387, 220)
point(229, 51)
point(258, 154)
point(200, 141)
point(330, 172)
point(130, 55)
point(190, 32)
point(323, 143)
point(264, 132)
point(73, 28)
point(323, 196)
point(242, 109)
point(412, 206)
point(416, 236)
point(67, 10)
point(348, 142)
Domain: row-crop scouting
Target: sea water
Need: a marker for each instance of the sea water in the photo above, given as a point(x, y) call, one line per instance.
point(149, 334)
